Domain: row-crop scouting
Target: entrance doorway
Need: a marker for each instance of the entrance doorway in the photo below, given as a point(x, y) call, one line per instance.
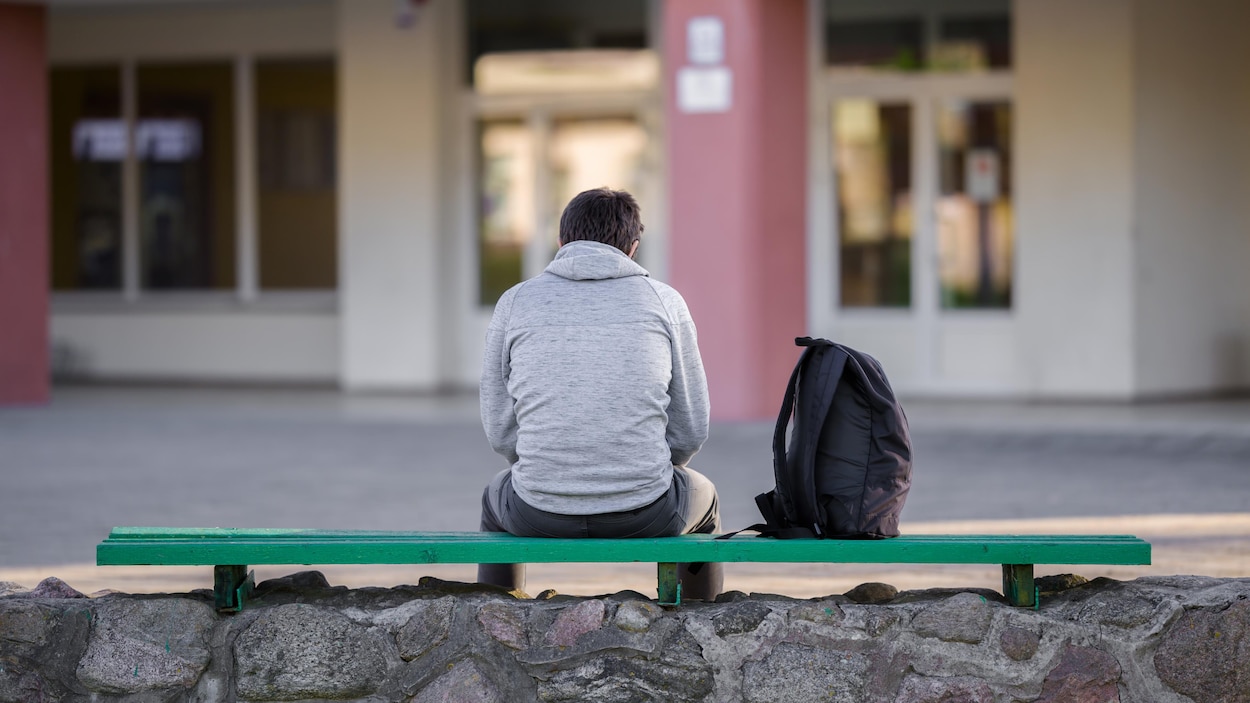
point(911, 236)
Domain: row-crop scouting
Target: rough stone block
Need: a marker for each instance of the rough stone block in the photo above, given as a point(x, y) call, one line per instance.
point(964, 617)
point(53, 587)
point(142, 645)
point(427, 628)
point(951, 689)
point(1018, 643)
point(636, 616)
point(1219, 638)
point(1083, 675)
point(303, 651)
point(575, 621)
point(463, 683)
point(793, 673)
point(740, 620)
point(824, 612)
point(504, 624)
point(872, 592)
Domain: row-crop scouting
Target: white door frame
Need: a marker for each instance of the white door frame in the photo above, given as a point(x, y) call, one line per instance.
point(540, 113)
point(923, 92)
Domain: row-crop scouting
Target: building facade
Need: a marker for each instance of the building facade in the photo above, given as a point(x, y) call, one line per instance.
point(1041, 199)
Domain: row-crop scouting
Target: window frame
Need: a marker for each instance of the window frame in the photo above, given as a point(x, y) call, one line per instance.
point(246, 292)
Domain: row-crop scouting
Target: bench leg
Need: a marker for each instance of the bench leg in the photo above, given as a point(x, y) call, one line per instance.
point(1018, 584)
point(669, 585)
point(232, 586)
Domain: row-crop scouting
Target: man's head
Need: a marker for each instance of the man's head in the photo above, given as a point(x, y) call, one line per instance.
point(602, 215)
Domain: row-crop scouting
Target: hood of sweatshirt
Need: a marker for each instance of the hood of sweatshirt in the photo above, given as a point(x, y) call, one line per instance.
point(593, 261)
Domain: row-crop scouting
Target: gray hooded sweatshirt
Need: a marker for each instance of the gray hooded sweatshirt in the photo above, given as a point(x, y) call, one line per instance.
point(592, 384)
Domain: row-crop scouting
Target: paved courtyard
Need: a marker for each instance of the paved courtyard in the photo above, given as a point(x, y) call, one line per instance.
point(1176, 473)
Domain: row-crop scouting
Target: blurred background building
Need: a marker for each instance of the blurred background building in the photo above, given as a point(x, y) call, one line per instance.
point(1033, 199)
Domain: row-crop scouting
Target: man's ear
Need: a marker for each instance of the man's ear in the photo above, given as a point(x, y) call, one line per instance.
point(633, 248)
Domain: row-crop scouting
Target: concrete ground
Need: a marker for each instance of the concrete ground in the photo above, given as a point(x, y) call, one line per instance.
point(1177, 473)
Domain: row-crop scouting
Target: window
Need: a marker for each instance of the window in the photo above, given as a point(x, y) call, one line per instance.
point(506, 214)
point(974, 207)
point(88, 145)
point(552, 26)
point(872, 156)
point(297, 208)
point(918, 35)
point(185, 142)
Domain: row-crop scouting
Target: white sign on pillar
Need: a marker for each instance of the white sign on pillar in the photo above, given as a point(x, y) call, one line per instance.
point(705, 41)
point(707, 85)
point(704, 90)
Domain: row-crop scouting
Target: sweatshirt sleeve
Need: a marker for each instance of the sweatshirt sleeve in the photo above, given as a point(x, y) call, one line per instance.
point(498, 415)
point(688, 406)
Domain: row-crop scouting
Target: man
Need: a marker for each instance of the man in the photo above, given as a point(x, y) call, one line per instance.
point(593, 390)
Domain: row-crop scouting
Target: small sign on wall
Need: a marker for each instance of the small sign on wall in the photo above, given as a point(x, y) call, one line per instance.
point(702, 90)
point(705, 41)
point(707, 85)
point(982, 177)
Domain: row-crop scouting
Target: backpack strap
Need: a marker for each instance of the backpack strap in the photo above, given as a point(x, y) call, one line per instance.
point(778, 501)
point(822, 362)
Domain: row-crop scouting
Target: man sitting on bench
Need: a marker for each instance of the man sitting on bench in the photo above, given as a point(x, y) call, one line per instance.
point(593, 390)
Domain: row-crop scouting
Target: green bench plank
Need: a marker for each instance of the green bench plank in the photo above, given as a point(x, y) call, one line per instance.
point(211, 547)
point(230, 549)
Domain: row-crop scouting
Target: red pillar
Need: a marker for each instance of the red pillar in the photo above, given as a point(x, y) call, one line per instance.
point(23, 205)
point(738, 192)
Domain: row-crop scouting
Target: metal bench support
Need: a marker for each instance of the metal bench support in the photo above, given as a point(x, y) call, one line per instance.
point(1018, 584)
point(669, 585)
point(232, 586)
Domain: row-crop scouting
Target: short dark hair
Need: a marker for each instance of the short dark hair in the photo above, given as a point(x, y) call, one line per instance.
point(602, 215)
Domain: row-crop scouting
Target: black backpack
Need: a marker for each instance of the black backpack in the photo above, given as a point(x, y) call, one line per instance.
point(847, 470)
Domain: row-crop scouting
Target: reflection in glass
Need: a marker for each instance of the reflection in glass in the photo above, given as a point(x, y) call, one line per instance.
point(298, 222)
point(872, 155)
point(590, 153)
point(184, 141)
point(506, 206)
point(975, 204)
point(88, 145)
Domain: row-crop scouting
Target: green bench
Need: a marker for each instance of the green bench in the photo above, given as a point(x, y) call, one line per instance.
point(231, 550)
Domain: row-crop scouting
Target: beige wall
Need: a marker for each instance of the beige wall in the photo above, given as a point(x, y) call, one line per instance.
point(210, 344)
point(1074, 97)
point(174, 30)
point(1134, 216)
point(391, 191)
point(1192, 210)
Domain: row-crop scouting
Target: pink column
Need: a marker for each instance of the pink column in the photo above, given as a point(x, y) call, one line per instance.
point(23, 205)
point(738, 196)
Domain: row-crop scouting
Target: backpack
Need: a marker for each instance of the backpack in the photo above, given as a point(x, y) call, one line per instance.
point(847, 470)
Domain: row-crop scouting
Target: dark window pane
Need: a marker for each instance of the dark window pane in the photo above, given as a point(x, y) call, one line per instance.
point(872, 153)
point(915, 35)
point(986, 40)
point(506, 206)
point(87, 150)
point(297, 207)
point(896, 44)
point(503, 26)
point(184, 140)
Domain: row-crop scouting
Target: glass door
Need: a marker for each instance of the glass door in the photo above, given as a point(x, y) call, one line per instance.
point(921, 225)
point(529, 168)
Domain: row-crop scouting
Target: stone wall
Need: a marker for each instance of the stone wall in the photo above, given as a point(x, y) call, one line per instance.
point(1153, 640)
